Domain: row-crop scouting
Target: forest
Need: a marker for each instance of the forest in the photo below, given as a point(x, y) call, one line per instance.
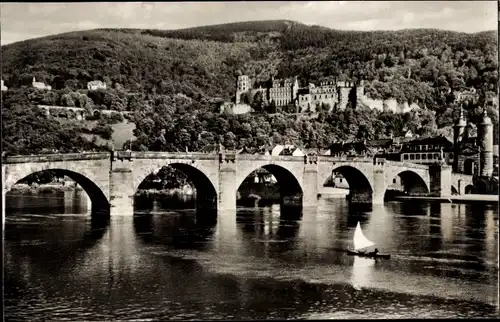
point(174, 81)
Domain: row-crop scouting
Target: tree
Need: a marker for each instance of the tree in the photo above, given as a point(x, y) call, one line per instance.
point(229, 140)
point(258, 102)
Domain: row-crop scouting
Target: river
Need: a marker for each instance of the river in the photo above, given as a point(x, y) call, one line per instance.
point(60, 263)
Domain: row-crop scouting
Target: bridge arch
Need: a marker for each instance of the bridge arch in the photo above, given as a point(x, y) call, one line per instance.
point(98, 197)
point(470, 189)
point(360, 187)
point(290, 186)
point(206, 188)
point(409, 182)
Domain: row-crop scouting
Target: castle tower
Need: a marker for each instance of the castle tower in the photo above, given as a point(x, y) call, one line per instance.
point(360, 89)
point(468, 130)
point(242, 86)
point(458, 132)
point(295, 88)
point(485, 141)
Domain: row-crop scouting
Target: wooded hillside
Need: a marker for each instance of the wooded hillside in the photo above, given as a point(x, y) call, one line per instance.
point(168, 77)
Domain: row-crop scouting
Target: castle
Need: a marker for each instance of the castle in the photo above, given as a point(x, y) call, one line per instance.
point(284, 92)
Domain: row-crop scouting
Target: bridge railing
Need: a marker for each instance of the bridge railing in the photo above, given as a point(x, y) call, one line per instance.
point(326, 158)
point(261, 157)
point(407, 165)
point(56, 157)
point(164, 155)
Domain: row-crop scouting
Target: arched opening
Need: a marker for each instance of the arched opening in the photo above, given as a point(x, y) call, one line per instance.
point(176, 206)
point(406, 183)
point(244, 98)
point(351, 183)
point(336, 184)
point(268, 185)
point(177, 186)
point(454, 190)
point(482, 187)
point(469, 166)
point(470, 189)
point(58, 188)
point(96, 114)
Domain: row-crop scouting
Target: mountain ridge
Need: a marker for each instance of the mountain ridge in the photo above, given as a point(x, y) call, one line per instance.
point(251, 25)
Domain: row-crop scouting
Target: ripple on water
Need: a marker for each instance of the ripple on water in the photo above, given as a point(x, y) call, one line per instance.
point(290, 272)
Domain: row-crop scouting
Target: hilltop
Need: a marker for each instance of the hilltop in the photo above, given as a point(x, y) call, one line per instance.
point(163, 75)
point(202, 62)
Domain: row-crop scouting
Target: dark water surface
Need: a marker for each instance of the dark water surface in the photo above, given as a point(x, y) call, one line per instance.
point(161, 264)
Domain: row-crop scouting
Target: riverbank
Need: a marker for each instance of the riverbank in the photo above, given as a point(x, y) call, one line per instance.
point(43, 188)
point(166, 192)
point(470, 198)
point(330, 192)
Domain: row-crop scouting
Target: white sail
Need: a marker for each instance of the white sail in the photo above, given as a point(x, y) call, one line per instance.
point(360, 241)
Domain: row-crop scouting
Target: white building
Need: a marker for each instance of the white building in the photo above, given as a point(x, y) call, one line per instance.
point(287, 150)
point(4, 88)
point(94, 85)
point(40, 85)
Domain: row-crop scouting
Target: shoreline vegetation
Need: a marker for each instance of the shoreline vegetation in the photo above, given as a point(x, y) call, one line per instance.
point(59, 187)
point(44, 188)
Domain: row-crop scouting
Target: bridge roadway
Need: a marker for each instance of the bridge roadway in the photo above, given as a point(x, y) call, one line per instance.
point(112, 178)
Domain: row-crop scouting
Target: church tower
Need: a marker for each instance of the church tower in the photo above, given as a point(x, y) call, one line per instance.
point(458, 132)
point(485, 142)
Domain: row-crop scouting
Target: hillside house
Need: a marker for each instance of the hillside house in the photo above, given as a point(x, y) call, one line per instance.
point(40, 85)
point(95, 85)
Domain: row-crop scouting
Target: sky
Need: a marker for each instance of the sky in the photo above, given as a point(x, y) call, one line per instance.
point(21, 21)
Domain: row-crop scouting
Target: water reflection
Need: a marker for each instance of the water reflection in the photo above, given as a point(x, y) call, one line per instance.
point(256, 263)
point(173, 229)
point(362, 272)
point(59, 202)
point(267, 231)
point(434, 224)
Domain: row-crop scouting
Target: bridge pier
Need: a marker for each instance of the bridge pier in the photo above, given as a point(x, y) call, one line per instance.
point(310, 186)
point(121, 192)
point(227, 184)
point(440, 180)
point(379, 184)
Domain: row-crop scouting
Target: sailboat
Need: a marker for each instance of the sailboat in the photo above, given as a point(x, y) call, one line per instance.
point(361, 242)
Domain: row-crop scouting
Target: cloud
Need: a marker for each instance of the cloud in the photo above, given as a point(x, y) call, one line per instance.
point(21, 21)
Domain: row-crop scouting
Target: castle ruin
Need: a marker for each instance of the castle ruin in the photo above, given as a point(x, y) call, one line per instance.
point(283, 92)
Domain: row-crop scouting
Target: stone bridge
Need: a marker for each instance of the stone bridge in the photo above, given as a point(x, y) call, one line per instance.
point(111, 179)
